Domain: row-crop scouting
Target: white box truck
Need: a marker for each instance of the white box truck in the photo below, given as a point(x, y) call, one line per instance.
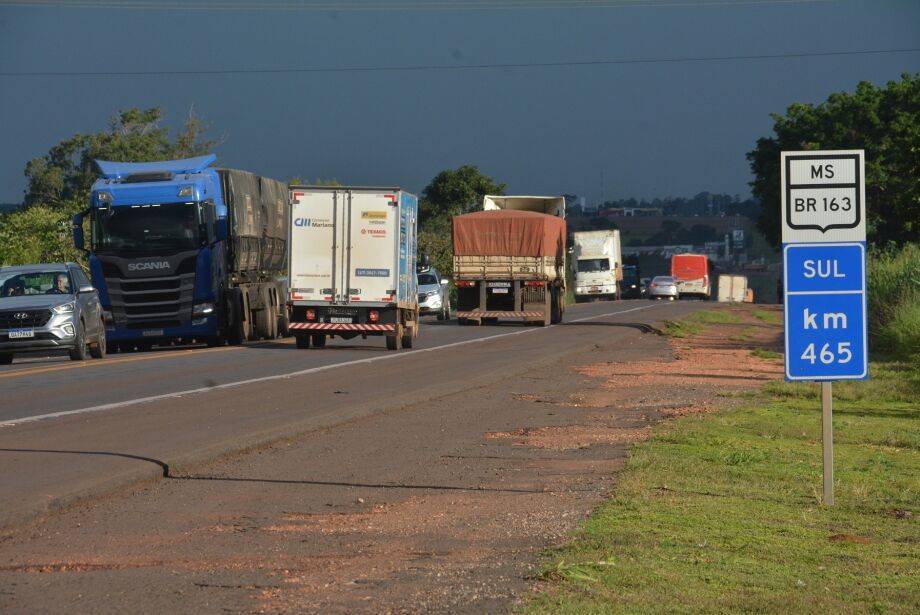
point(732, 288)
point(351, 265)
point(598, 265)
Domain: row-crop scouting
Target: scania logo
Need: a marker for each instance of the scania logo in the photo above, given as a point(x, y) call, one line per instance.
point(148, 265)
point(21, 315)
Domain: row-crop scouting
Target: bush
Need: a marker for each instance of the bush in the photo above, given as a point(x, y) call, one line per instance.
point(894, 300)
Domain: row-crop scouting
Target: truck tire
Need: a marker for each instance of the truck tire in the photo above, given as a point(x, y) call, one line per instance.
point(319, 340)
point(235, 330)
point(394, 342)
point(302, 340)
point(263, 317)
point(556, 311)
point(409, 338)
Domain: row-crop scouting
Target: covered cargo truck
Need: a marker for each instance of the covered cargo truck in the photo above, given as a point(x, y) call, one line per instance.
point(692, 274)
point(182, 251)
point(509, 260)
point(352, 263)
point(598, 265)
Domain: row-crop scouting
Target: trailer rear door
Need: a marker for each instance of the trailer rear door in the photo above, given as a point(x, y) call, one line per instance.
point(372, 255)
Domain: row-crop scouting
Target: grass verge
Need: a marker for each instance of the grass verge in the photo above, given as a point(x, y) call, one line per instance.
point(696, 322)
point(722, 513)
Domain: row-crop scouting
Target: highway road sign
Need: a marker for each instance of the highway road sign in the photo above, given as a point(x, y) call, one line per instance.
point(826, 311)
point(823, 196)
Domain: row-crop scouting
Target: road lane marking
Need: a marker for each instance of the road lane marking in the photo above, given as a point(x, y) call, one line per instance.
point(303, 372)
point(160, 354)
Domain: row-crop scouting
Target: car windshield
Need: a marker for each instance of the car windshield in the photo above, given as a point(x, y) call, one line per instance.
point(663, 280)
point(592, 265)
point(148, 228)
point(13, 284)
point(427, 279)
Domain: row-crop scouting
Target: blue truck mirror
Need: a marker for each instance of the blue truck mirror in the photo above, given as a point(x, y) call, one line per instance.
point(78, 241)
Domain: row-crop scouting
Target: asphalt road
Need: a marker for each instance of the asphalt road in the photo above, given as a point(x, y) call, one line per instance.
point(71, 431)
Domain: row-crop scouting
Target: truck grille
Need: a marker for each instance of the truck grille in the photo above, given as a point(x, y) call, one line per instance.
point(153, 302)
point(33, 318)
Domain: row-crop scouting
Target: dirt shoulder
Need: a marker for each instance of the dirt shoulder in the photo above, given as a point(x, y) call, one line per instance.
point(443, 506)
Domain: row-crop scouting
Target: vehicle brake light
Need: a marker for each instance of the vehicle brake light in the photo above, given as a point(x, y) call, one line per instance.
point(373, 316)
point(311, 314)
point(464, 283)
point(654, 286)
point(534, 283)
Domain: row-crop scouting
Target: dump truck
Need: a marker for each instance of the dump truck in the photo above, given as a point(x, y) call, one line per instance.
point(179, 250)
point(352, 265)
point(598, 265)
point(509, 260)
point(692, 274)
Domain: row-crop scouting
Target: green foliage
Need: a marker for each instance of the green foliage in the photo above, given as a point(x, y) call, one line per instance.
point(68, 171)
point(885, 122)
point(450, 193)
point(894, 300)
point(39, 234)
point(455, 191)
point(723, 513)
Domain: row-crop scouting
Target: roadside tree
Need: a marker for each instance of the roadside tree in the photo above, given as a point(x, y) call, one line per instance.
point(885, 122)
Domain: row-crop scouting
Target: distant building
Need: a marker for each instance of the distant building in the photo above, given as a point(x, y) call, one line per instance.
point(632, 212)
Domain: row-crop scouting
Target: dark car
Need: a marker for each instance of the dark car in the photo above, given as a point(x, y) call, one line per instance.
point(49, 307)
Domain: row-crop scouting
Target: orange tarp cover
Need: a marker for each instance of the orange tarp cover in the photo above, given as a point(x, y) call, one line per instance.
point(509, 233)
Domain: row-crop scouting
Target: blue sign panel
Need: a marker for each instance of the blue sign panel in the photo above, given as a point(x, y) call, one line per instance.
point(826, 337)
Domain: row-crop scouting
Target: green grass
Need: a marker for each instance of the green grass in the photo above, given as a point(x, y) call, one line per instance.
point(723, 512)
point(696, 322)
point(766, 354)
point(771, 318)
point(894, 300)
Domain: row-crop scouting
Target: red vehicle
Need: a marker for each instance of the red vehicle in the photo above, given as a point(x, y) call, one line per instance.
point(692, 274)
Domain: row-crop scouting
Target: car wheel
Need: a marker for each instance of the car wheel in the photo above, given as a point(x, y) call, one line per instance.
point(79, 351)
point(6, 358)
point(98, 351)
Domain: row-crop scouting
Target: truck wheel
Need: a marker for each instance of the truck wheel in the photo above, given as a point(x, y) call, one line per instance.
point(408, 338)
point(462, 322)
point(80, 352)
point(302, 340)
point(319, 340)
point(394, 342)
point(98, 350)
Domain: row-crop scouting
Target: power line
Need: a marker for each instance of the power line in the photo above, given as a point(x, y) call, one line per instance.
point(388, 5)
point(449, 67)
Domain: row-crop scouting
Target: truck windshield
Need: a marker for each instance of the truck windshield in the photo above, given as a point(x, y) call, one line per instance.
point(147, 228)
point(593, 265)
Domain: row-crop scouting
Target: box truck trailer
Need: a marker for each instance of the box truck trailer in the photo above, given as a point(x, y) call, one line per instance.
point(352, 265)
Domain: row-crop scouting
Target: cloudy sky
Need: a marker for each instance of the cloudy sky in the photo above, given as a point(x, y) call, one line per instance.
point(642, 98)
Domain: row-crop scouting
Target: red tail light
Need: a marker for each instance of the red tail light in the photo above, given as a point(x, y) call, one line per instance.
point(654, 286)
point(373, 316)
point(535, 283)
point(311, 314)
point(464, 283)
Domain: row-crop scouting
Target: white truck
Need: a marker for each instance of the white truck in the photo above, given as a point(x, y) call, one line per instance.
point(598, 265)
point(732, 288)
point(351, 265)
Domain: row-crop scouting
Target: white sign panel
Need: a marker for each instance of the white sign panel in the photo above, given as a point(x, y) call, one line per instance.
point(823, 196)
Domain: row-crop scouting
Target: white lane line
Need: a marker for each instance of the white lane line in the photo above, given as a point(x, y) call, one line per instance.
point(303, 372)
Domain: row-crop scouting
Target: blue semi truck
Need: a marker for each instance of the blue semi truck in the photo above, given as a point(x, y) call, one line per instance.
point(181, 251)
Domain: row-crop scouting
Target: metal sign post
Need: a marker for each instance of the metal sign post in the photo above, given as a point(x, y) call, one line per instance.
point(824, 268)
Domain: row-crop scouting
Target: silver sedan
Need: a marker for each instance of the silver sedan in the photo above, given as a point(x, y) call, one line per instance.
point(662, 287)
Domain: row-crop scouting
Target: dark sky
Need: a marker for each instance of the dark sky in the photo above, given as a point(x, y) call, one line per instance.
point(650, 129)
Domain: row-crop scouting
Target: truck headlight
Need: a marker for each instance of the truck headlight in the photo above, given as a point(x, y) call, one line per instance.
point(202, 309)
point(66, 308)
